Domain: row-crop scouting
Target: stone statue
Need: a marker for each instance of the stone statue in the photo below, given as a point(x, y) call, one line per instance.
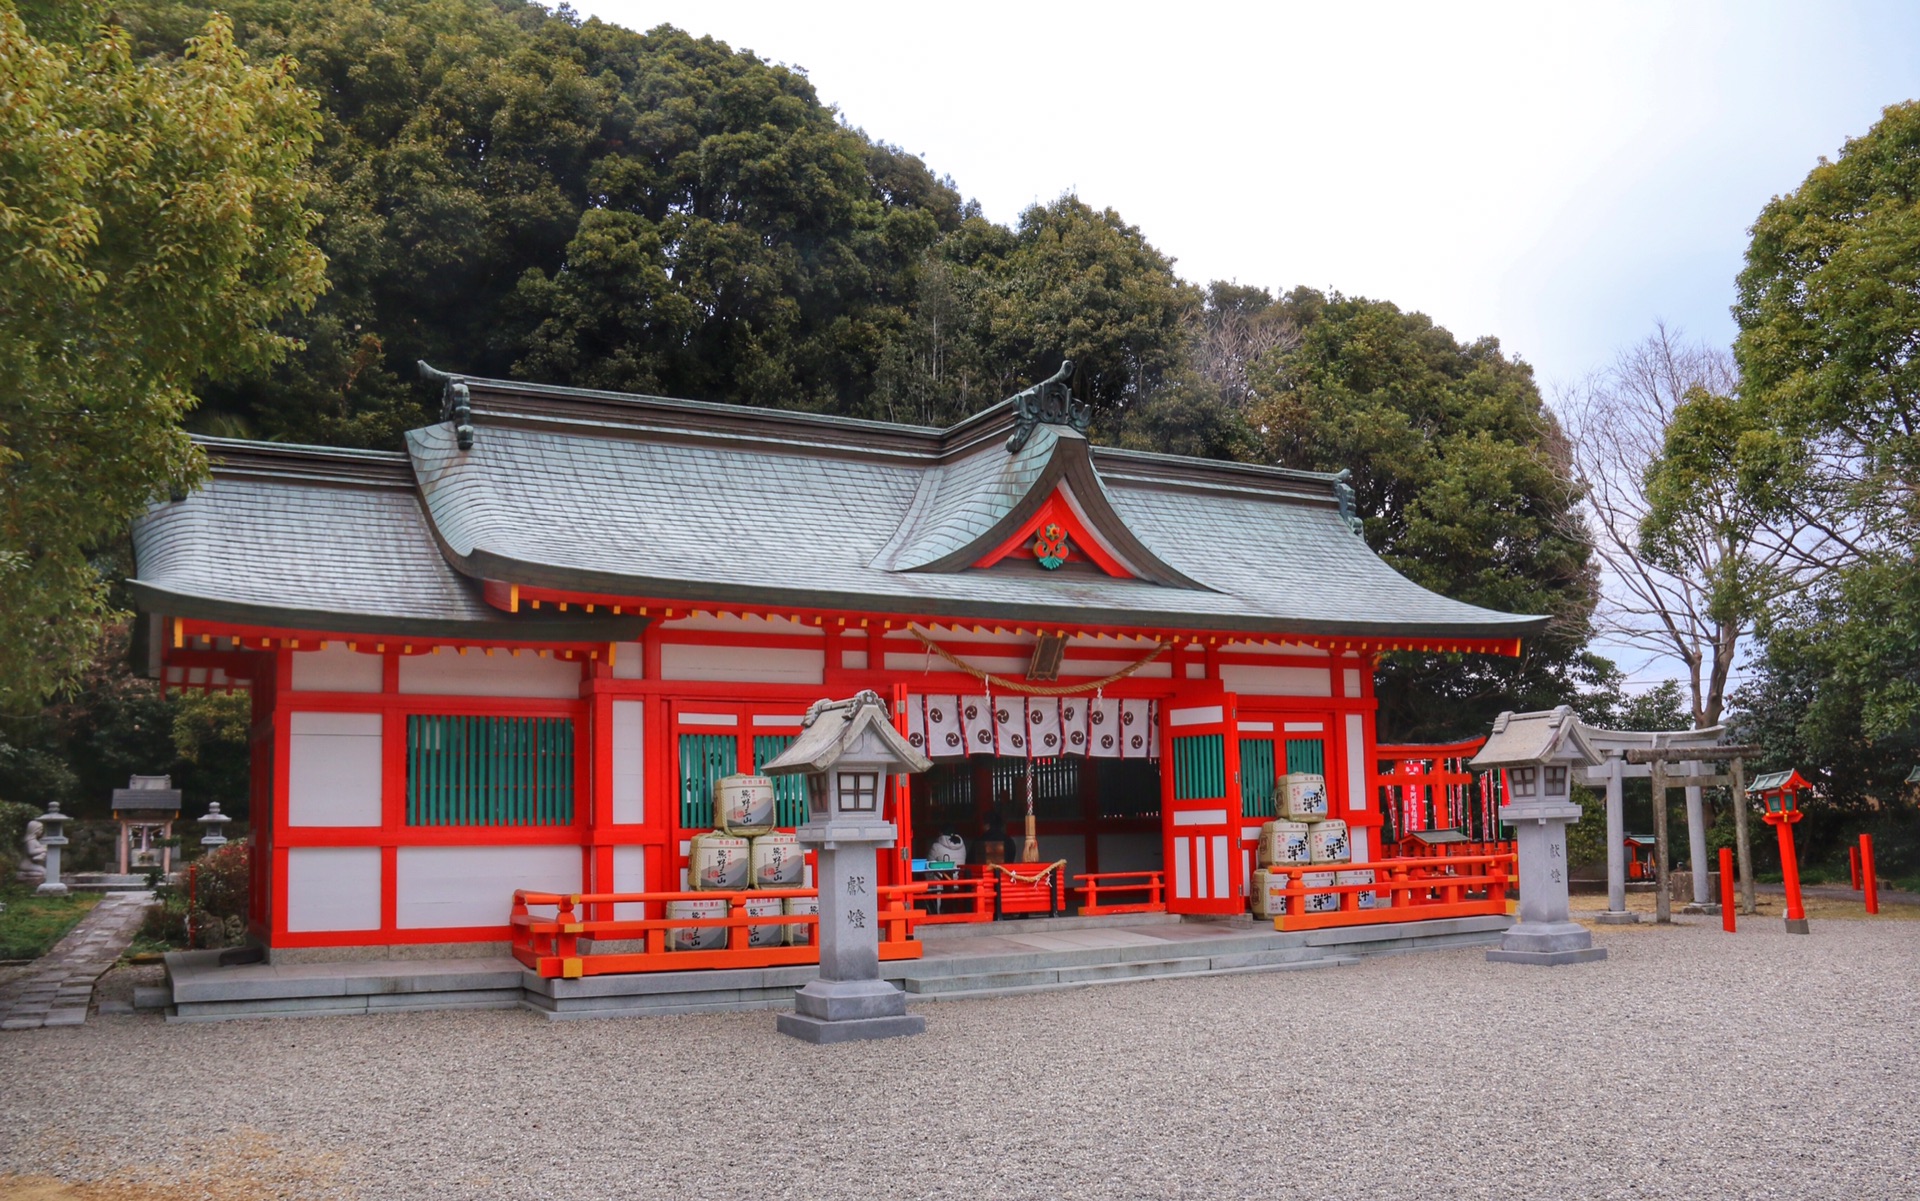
point(33, 863)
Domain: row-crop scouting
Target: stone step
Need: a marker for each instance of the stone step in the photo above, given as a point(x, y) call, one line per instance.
point(985, 991)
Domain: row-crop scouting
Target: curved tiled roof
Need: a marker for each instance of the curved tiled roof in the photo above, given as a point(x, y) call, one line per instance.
point(675, 500)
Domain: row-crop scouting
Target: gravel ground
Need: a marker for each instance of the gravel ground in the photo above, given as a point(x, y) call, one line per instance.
point(1690, 1064)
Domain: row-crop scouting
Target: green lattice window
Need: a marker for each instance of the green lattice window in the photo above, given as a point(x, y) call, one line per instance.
point(1257, 778)
point(489, 771)
point(704, 758)
point(1199, 767)
point(789, 792)
point(1307, 755)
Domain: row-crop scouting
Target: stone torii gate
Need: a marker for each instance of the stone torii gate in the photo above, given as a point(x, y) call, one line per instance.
point(1615, 745)
point(1735, 778)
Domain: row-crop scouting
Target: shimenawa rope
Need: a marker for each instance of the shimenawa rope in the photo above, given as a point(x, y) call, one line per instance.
point(1037, 689)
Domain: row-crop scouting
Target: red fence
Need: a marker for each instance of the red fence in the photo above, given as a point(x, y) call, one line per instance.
point(1408, 890)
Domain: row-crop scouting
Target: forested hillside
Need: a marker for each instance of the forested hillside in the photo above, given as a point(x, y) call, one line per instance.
point(507, 190)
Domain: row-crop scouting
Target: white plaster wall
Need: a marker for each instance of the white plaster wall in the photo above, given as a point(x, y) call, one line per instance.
point(1159, 669)
point(743, 664)
point(334, 668)
point(629, 875)
point(1259, 680)
point(629, 761)
point(473, 886)
point(333, 769)
point(333, 888)
point(1352, 680)
point(1357, 764)
point(918, 662)
point(498, 674)
point(628, 661)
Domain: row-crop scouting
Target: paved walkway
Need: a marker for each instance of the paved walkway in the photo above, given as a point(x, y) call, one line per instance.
point(58, 989)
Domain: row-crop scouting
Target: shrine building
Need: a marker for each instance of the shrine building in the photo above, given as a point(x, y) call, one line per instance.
point(518, 654)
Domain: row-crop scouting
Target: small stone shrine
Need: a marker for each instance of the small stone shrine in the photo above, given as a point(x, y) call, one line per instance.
point(848, 750)
point(146, 810)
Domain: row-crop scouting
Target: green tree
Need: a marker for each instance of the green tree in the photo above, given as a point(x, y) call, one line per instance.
point(1464, 482)
point(511, 191)
point(153, 227)
point(1829, 314)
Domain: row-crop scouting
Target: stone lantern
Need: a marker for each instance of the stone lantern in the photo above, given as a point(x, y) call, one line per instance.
point(1538, 754)
point(215, 824)
point(54, 822)
point(847, 750)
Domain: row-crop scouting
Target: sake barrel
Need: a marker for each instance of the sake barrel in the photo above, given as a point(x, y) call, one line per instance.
point(718, 863)
point(1321, 902)
point(1303, 796)
point(1282, 842)
point(706, 938)
point(772, 934)
point(1367, 898)
point(1267, 898)
point(798, 935)
point(1327, 842)
point(743, 804)
point(778, 862)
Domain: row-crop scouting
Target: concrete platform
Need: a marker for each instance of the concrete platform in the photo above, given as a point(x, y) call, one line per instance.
point(1003, 959)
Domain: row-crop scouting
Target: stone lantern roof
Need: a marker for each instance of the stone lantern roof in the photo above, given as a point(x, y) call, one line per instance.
point(1549, 736)
point(859, 726)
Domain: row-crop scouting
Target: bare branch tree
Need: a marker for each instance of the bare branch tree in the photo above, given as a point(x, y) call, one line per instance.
point(1675, 604)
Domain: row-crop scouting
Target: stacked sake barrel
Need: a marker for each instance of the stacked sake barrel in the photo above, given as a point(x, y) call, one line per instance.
point(745, 852)
point(1303, 834)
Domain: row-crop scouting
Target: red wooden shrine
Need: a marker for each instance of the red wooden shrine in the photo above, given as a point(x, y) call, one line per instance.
point(515, 657)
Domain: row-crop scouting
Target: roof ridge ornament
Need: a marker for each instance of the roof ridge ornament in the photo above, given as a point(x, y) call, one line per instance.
point(456, 403)
point(1051, 402)
point(1343, 494)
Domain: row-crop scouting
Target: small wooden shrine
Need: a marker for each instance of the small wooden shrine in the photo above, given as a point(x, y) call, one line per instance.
point(145, 811)
point(519, 654)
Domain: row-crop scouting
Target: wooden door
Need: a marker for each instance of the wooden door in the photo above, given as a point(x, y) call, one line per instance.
point(1200, 809)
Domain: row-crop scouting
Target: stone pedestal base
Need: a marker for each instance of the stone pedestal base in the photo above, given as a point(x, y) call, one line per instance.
point(1797, 925)
point(815, 1030)
point(51, 890)
point(1616, 917)
point(1696, 907)
point(1547, 944)
point(840, 1011)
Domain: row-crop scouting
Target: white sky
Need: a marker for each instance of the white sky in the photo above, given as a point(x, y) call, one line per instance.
point(1557, 176)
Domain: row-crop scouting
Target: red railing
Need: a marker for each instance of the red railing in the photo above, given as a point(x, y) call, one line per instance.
point(552, 946)
point(1150, 884)
point(1430, 787)
point(1414, 890)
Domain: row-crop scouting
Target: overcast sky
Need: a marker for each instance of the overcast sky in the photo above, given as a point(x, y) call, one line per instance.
point(1557, 176)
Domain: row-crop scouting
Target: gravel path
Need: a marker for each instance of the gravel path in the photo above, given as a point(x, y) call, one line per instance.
point(1690, 1064)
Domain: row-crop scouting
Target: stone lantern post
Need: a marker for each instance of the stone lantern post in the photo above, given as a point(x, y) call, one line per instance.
point(1538, 753)
point(54, 839)
point(847, 749)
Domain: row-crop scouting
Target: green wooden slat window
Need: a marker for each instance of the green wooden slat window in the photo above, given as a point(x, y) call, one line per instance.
point(704, 758)
point(489, 771)
point(789, 792)
point(1307, 755)
point(1199, 767)
point(1257, 778)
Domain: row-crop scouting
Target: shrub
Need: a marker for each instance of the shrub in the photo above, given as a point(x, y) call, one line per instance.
point(221, 883)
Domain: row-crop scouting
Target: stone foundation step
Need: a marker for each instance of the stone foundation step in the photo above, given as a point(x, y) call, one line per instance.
point(988, 990)
point(1043, 925)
